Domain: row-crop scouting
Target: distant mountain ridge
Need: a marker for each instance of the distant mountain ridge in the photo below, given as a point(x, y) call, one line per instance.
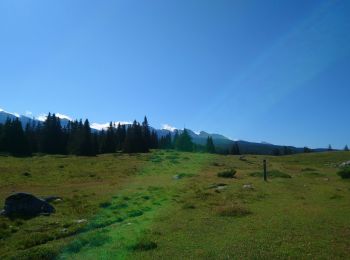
point(221, 142)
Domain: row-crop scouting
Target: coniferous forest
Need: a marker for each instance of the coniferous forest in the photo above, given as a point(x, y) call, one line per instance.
point(78, 138)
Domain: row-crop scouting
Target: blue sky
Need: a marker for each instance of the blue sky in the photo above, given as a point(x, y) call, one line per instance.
point(274, 71)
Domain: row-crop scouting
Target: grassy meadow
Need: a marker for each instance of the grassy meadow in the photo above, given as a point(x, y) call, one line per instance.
point(173, 205)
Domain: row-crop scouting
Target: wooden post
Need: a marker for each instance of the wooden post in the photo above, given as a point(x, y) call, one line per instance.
point(265, 172)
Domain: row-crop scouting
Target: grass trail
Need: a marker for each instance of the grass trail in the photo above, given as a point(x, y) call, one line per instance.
point(123, 221)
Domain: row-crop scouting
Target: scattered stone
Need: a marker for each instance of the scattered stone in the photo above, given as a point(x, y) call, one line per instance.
point(176, 177)
point(242, 158)
point(326, 179)
point(79, 221)
point(217, 185)
point(26, 205)
point(27, 174)
point(344, 164)
point(52, 199)
point(248, 186)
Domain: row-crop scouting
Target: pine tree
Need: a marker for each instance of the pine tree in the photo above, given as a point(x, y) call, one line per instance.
point(210, 148)
point(330, 148)
point(184, 142)
point(276, 152)
point(86, 147)
point(32, 136)
point(307, 150)
point(52, 136)
point(176, 137)
point(287, 150)
point(235, 149)
point(346, 148)
point(14, 140)
point(120, 136)
point(109, 145)
point(146, 134)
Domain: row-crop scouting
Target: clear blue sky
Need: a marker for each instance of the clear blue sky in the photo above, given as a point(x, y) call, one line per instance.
point(274, 71)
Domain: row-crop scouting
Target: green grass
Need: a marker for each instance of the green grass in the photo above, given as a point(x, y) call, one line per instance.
point(131, 207)
point(271, 174)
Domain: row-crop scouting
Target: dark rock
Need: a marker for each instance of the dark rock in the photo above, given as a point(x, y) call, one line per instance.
point(27, 174)
point(24, 205)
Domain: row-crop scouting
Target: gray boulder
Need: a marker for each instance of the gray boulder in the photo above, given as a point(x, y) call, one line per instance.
point(25, 205)
point(345, 164)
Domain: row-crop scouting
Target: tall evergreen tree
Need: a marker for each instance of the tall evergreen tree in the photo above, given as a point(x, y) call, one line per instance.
point(210, 148)
point(120, 136)
point(14, 139)
point(276, 152)
point(184, 142)
point(146, 133)
point(86, 147)
point(346, 148)
point(134, 141)
point(52, 136)
point(330, 148)
point(109, 145)
point(32, 136)
point(165, 142)
point(235, 149)
point(307, 150)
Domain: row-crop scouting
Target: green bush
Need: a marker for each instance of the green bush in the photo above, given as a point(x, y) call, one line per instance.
point(144, 246)
point(344, 173)
point(227, 174)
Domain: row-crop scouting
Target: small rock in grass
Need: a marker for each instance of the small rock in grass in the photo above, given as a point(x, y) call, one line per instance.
point(27, 174)
point(81, 220)
point(344, 164)
point(248, 186)
point(52, 198)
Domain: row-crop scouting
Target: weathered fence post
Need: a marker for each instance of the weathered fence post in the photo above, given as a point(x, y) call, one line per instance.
point(265, 172)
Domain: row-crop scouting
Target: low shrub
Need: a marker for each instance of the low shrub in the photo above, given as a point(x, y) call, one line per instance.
point(344, 173)
point(227, 174)
point(144, 245)
point(105, 204)
point(135, 213)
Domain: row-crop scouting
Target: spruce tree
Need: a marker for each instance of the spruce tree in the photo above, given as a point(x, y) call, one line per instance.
point(146, 134)
point(86, 147)
point(346, 148)
point(184, 142)
point(109, 145)
point(210, 148)
point(307, 150)
point(235, 149)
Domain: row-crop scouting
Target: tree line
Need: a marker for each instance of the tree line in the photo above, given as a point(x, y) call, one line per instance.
point(77, 138)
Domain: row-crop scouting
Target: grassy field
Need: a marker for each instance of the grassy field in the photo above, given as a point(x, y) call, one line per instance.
point(172, 205)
